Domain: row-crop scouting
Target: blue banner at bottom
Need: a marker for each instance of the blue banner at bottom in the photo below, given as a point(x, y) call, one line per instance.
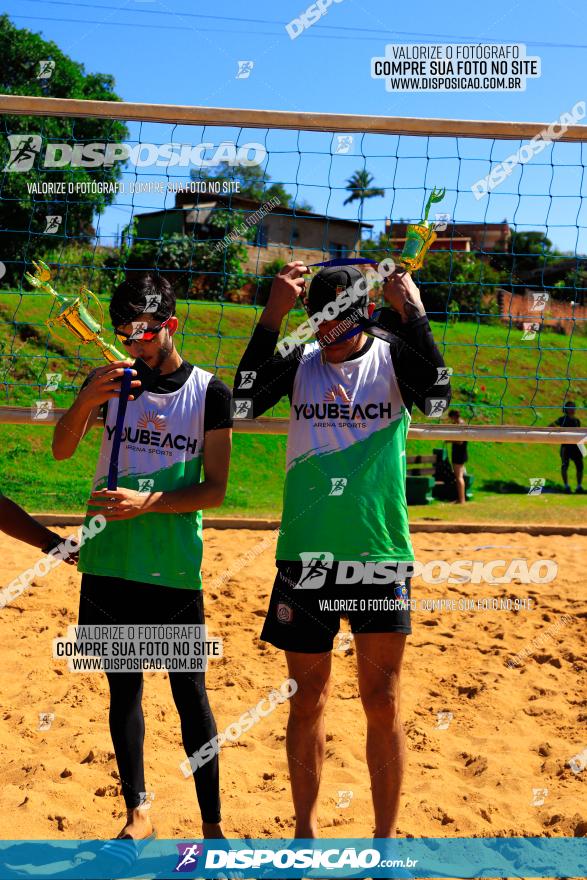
point(505, 857)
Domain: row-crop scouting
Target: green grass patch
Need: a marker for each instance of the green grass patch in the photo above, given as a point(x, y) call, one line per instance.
point(497, 378)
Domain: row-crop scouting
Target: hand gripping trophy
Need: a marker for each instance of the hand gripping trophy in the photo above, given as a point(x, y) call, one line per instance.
point(419, 236)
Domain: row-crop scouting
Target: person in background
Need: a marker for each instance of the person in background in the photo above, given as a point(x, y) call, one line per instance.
point(570, 451)
point(459, 457)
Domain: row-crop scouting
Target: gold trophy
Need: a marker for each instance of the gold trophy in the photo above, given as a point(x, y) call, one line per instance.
point(419, 236)
point(74, 314)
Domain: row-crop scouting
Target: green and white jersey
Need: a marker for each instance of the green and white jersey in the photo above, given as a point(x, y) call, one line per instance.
point(161, 450)
point(346, 462)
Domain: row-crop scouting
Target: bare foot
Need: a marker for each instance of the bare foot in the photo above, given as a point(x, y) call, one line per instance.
point(138, 824)
point(213, 830)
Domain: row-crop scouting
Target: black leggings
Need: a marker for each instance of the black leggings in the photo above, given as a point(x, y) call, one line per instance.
point(127, 727)
point(572, 454)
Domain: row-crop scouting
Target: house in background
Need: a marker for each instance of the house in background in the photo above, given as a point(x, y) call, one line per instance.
point(282, 234)
point(478, 237)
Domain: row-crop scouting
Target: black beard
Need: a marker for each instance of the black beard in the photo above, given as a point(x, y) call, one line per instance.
point(164, 352)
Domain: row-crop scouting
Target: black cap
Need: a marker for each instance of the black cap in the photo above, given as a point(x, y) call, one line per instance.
point(331, 281)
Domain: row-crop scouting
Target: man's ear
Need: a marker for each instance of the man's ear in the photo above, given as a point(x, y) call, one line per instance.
point(172, 325)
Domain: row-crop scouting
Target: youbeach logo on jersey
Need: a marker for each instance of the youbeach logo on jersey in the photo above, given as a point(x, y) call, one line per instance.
point(25, 148)
point(339, 405)
point(145, 437)
point(335, 410)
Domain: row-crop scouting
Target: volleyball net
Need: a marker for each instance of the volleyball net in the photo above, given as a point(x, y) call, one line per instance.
point(217, 200)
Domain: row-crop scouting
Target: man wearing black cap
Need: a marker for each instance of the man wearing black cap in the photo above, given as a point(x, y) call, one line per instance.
point(344, 546)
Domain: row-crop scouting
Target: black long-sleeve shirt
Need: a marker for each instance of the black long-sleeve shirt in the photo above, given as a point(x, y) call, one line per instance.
point(416, 360)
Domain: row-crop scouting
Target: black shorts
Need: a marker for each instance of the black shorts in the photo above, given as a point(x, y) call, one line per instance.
point(459, 453)
point(571, 453)
point(307, 620)
point(111, 601)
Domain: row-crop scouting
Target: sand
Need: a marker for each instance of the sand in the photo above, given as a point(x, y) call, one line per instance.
point(512, 730)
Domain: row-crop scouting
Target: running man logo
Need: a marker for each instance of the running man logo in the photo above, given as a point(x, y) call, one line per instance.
point(337, 391)
point(539, 795)
point(46, 719)
point(153, 301)
point(315, 568)
point(24, 148)
point(540, 300)
point(189, 854)
point(41, 410)
point(46, 68)
point(242, 409)
point(443, 720)
point(146, 485)
point(536, 485)
point(344, 799)
point(138, 329)
point(578, 763)
point(338, 485)
point(247, 378)
point(444, 374)
point(344, 144)
point(441, 222)
point(53, 222)
point(344, 641)
point(53, 380)
point(146, 798)
point(244, 69)
point(435, 407)
point(530, 330)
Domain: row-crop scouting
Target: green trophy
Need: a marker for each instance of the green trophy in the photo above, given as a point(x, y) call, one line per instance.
point(74, 314)
point(419, 236)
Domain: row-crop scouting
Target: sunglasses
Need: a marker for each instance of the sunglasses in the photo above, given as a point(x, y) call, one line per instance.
point(142, 333)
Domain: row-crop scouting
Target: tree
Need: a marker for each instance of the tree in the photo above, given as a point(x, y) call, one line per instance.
point(461, 277)
point(195, 267)
point(523, 252)
point(360, 188)
point(452, 284)
point(379, 248)
point(23, 213)
point(254, 183)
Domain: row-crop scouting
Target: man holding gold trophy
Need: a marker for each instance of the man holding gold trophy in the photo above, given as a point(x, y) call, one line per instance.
point(172, 428)
point(344, 545)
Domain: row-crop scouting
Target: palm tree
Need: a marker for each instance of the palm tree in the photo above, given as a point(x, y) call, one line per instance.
point(359, 186)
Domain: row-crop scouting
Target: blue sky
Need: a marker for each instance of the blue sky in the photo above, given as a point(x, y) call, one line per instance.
point(175, 52)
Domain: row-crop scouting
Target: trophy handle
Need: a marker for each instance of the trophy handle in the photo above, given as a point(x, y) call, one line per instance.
point(85, 295)
point(436, 195)
point(41, 279)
